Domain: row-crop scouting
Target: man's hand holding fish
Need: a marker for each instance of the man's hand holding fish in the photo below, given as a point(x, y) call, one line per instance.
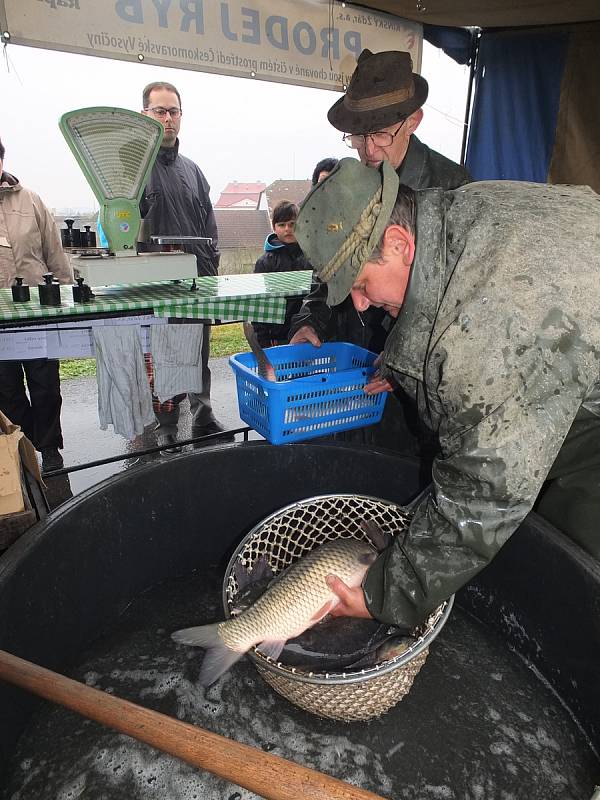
point(352, 599)
point(328, 578)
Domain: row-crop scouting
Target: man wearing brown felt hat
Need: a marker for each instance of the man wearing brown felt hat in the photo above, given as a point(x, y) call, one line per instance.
point(378, 115)
point(384, 96)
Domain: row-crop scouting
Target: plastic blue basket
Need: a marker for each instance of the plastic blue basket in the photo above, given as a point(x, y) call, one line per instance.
point(319, 390)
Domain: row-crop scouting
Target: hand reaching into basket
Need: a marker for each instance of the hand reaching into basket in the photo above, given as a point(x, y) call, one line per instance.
point(306, 334)
point(377, 384)
point(352, 600)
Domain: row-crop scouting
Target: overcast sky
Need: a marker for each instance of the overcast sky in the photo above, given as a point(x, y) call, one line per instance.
point(234, 128)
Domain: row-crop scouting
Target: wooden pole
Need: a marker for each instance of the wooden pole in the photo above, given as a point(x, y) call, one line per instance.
point(265, 774)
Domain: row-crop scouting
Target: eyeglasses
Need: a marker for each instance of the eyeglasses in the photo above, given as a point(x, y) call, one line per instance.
point(357, 141)
point(161, 112)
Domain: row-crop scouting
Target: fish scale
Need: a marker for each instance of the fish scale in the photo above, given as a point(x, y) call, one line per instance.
point(292, 602)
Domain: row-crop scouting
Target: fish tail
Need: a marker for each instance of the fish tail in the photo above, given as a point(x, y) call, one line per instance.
point(264, 366)
point(218, 658)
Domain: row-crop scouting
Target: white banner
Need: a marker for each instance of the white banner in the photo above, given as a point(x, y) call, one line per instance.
point(305, 42)
point(68, 339)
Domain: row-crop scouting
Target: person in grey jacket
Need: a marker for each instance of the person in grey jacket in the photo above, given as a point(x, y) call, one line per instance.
point(176, 202)
point(497, 339)
point(30, 246)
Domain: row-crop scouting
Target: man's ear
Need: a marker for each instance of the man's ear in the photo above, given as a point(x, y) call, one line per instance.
point(413, 122)
point(399, 242)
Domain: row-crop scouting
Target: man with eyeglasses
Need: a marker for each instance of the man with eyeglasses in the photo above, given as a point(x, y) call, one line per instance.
point(378, 115)
point(176, 202)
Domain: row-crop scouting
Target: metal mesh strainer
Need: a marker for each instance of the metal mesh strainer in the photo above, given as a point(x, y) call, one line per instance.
point(283, 538)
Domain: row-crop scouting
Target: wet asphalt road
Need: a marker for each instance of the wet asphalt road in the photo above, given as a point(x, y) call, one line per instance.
point(85, 442)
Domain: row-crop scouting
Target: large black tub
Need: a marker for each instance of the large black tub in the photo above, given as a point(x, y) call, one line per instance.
point(506, 706)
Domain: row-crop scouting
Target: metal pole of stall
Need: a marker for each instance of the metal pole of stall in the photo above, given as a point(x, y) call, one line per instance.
point(475, 38)
point(211, 438)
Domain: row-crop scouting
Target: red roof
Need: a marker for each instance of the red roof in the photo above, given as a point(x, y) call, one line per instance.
point(244, 188)
point(241, 195)
point(238, 201)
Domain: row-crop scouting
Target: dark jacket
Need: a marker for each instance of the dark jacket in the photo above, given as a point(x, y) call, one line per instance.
point(176, 202)
point(422, 168)
point(498, 343)
point(279, 257)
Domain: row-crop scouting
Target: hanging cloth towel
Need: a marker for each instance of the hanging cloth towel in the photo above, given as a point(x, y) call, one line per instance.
point(124, 396)
point(177, 356)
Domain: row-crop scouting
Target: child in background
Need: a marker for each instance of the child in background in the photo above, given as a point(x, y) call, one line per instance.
point(282, 254)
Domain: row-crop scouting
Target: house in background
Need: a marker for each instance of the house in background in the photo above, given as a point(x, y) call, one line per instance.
point(242, 235)
point(243, 214)
point(293, 190)
point(237, 196)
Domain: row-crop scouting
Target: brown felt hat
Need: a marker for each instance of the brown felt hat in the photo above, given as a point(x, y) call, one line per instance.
point(383, 90)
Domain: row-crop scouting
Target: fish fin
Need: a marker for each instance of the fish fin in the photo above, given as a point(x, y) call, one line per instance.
point(378, 538)
point(322, 612)
point(216, 662)
point(205, 636)
point(261, 570)
point(218, 658)
point(242, 575)
point(271, 649)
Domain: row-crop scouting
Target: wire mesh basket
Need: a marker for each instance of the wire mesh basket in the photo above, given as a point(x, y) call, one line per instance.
point(318, 391)
point(283, 538)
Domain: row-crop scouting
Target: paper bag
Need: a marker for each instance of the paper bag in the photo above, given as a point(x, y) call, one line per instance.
point(11, 494)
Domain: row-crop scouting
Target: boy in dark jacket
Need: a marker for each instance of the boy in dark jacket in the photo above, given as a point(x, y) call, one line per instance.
point(282, 254)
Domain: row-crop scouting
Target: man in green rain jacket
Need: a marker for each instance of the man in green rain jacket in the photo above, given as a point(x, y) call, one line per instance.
point(497, 339)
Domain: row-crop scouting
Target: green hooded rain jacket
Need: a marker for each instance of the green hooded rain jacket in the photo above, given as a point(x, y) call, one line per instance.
point(498, 343)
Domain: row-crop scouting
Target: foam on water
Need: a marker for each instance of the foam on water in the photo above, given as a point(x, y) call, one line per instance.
point(477, 724)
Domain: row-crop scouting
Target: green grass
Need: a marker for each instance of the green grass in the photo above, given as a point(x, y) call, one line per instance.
point(77, 368)
point(225, 340)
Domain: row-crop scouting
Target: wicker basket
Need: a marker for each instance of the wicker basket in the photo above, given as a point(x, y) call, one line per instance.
point(284, 537)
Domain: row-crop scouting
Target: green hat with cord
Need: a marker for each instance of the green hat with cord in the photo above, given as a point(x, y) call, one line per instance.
point(342, 220)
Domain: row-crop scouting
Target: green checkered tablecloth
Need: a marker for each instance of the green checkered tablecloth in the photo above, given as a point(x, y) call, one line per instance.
point(256, 298)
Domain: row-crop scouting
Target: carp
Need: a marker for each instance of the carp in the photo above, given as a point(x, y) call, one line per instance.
point(296, 600)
